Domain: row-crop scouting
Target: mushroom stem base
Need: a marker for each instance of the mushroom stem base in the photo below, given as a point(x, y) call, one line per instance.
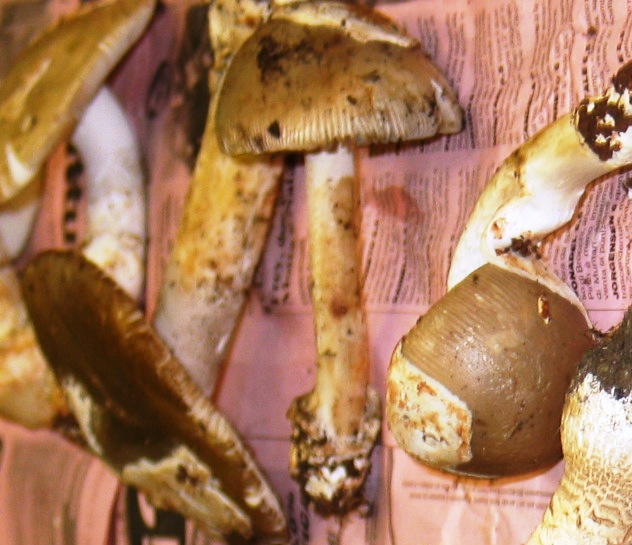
point(332, 470)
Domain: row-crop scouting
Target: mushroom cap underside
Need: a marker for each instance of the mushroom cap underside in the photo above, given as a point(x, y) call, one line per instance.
point(144, 406)
point(294, 87)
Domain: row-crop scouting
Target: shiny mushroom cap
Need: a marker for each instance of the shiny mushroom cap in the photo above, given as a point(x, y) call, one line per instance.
point(311, 78)
point(477, 386)
point(54, 79)
point(136, 406)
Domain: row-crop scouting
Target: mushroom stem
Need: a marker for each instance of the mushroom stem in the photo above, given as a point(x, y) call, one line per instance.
point(223, 229)
point(29, 393)
point(219, 241)
point(339, 321)
point(537, 188)
point(337, 423)
point(116, 220)
point(593, 504)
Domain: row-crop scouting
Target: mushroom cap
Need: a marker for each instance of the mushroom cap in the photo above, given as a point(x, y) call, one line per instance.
point(510, 374)
point(305, 87)
point(137, 407)
point(54, 79)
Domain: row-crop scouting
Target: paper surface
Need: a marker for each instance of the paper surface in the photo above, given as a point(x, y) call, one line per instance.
point(516, 66)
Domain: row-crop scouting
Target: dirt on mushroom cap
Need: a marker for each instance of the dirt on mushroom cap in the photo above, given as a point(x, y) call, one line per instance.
point(307, 85)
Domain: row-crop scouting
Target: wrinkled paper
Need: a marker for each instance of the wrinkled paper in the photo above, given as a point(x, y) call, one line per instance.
point(516, 66)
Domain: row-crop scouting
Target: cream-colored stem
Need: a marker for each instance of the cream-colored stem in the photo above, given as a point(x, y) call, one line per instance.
point(29, 394)
point(223, 229)
point(218, 244)
point(536, 190)
point(533, 193)
point(593, 504)
point(339, 320)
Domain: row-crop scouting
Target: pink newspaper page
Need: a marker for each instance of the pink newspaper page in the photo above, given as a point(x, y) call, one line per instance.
point(516, 66)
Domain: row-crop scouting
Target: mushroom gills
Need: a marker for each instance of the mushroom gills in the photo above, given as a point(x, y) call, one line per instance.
point(405, 98)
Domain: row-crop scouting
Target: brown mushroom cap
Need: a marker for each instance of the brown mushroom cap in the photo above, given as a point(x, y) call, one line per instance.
point(54, 79)
point(300, 87)
point(142, 407)
point(513, 346)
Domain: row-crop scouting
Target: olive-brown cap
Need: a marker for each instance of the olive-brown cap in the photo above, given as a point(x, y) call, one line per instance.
point(504, 347)
point(294, 86)
point(136, 405)
point(54, 79)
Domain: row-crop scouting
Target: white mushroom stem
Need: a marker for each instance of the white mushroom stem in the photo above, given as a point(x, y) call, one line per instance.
point(593, 504)
point(337, 423)
point(336, 289)
point(219, 241)
point(116, 220)
point(218, 244)
point(536, 190)
point(115, 240)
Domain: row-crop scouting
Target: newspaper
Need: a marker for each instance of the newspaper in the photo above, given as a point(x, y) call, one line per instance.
point(516, 66)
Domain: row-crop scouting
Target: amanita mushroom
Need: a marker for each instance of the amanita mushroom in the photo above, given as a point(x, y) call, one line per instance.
point(33, 120)
point(223, 229)
point(114, 239)
point(72, 61)
point(593, 503)
point(322, 77)
point(451, 368)
point(176, 468)
point(137, 407)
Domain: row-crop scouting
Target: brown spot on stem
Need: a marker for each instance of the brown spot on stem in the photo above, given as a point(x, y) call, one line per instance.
point(338, 308)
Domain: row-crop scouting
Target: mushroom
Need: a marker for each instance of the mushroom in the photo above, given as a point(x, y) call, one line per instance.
point(114, 239)
point(593, 503)
point(200, 467)
point(320, 78)
point(136, 406)
point(433, 410)
point(74, 63)
point(33, 120)
point(223, 229)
